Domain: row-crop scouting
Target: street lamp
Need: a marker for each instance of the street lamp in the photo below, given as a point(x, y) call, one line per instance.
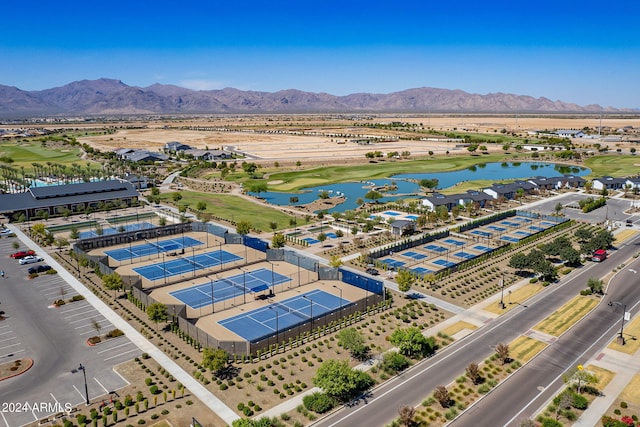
point(220, 254)
point(213, 310)
point(277, 327)
point(502, 293)
point(86, 389)
point(310, 309)
point(625, 316)
point(130, 251)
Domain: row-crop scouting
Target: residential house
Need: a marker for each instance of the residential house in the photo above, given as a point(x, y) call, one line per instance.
point(609, 183)
point(175, 146)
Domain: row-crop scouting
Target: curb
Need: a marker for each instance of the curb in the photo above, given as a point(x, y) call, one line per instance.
point(30, 361)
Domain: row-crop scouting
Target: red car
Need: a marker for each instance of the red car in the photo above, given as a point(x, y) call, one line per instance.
point(22, 254)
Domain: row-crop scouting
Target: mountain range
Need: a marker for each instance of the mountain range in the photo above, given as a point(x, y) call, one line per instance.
point(112, 97)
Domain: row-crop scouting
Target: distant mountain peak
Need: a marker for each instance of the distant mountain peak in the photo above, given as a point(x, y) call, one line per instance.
point(106, 96)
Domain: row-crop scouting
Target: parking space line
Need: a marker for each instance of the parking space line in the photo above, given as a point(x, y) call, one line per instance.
point(8, 332)
point(81, 395)
point(7, 339)
point(114, 347)
point(100, 322)
point(118, 355)
point(113, 368)
point(11, 354)
point(80, 314)
point(7, 346)
point(79, 307)
point(4, 419)
point(96, 380)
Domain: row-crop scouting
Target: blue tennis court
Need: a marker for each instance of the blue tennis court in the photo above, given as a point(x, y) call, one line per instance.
point(120, 229)
point(510, 239)
point(444, 263)
point(510, 223)
point(521, 233)
point(393, 262)
point(414, 255)
point(548, 224)
point(465, 255)
point(149, 248)
point(331, 235)
point(496, 228)
point(454, 242)
point(284, 315)
point(421, 270)
point(482, 248)
point(521, 219)
point(436, 248)
point(536, 228)
point(186, 264)
point(311, 240)
point(391, 213)
point(229, 287)
point(411, 217)
point(481, 233)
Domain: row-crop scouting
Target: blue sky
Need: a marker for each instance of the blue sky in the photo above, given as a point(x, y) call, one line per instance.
point(586, 52)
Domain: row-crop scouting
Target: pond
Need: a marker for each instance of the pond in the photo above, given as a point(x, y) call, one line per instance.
point(406, 186)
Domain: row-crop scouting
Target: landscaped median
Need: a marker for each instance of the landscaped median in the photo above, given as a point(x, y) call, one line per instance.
point(567, 315)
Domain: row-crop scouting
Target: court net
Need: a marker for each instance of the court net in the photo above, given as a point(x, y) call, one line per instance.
point(291, 310)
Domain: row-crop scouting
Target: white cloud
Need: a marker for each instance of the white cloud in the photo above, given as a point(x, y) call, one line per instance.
point(202, 84)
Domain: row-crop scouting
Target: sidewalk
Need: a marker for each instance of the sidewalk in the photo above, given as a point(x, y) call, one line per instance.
point(195, 387)
point(625, 366)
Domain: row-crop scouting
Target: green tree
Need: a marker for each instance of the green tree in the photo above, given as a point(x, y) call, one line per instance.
point(243, 227)
point(393, 362)
point(157, 312)
point(335, 261)
point(113, 282)
point(216, 360)
point(412, 343)
point(596, 285)
point(176, 197)
point(155, 191)
point(273, 226)
point(322, 238)
point(75, 233)
point(580, 377)
point(429, 183)
point(201, 206)
point(278, 240)
point(341, 381)
point(405, 280)
point(352, 340)
point(373, 195)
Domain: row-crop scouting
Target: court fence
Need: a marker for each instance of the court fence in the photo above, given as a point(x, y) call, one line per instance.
point(241, 350)
point(407, 244)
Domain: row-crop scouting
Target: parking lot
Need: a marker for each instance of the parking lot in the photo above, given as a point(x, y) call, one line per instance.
point(56, 340)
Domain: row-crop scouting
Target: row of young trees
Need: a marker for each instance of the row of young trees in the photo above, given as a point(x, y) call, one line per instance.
point(561, 249)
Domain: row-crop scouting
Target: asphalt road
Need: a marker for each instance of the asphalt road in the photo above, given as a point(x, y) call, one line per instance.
point(410, 388)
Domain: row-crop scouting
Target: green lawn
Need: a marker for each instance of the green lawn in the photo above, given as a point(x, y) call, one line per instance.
point(26, 153)
point(233, 208)
point(612, 165)
point(334, 174)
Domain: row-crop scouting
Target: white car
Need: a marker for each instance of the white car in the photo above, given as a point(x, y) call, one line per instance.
point(30, 259)
point(4, 231)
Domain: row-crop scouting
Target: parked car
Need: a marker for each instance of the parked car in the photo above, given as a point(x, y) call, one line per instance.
point(629, 223)
point(372, 271)
point(22, 254)
point(5, 231)
point(39, 268)
point(30, 259)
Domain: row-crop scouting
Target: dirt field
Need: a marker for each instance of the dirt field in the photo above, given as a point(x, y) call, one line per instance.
point(279, 137)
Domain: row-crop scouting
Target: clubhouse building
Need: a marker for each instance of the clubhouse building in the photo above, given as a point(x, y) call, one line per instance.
point(56, 199)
